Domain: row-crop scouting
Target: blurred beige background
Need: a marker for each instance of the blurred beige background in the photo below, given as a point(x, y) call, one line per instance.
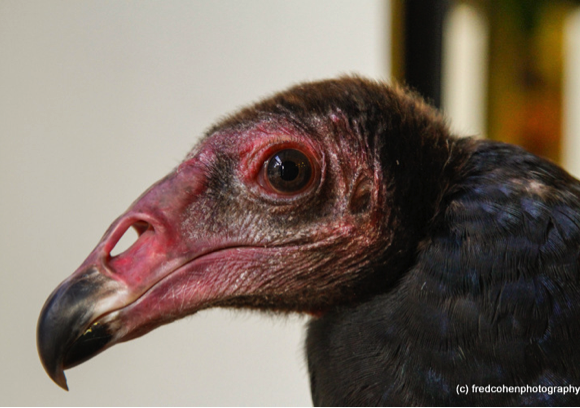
point(99, 99)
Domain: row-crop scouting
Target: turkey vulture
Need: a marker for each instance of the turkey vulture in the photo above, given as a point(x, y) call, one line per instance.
point(437, 270)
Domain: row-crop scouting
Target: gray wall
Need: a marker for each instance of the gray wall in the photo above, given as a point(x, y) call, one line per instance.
point(97, 101)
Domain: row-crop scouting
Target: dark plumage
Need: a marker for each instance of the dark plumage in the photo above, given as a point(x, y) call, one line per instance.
point(428, 262)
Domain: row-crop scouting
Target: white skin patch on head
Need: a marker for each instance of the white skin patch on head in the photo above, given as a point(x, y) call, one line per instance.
point(532, 186)
point(537, 188)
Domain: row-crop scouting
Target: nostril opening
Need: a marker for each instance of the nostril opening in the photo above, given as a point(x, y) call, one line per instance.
point(141, 226)
point(130, 237)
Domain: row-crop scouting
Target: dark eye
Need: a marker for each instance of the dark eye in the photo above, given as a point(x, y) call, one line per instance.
point(289, 171)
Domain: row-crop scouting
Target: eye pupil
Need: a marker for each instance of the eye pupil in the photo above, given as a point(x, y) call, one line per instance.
point(289, 171)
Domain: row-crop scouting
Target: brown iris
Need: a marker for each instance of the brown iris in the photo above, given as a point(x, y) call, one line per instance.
point(289, 171)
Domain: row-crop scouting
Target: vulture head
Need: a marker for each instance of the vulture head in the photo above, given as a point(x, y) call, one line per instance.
point(319, 200)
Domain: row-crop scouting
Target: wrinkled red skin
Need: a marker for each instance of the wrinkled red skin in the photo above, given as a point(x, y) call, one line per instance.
point(199, 247)
point(214, 232)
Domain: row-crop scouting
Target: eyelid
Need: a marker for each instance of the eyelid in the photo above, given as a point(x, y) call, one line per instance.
point(254, 167)
point(252, 162)
point(255, 161)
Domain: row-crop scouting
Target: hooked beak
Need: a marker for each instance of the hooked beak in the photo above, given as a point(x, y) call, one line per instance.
point(68, 331)
point(110, 299)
